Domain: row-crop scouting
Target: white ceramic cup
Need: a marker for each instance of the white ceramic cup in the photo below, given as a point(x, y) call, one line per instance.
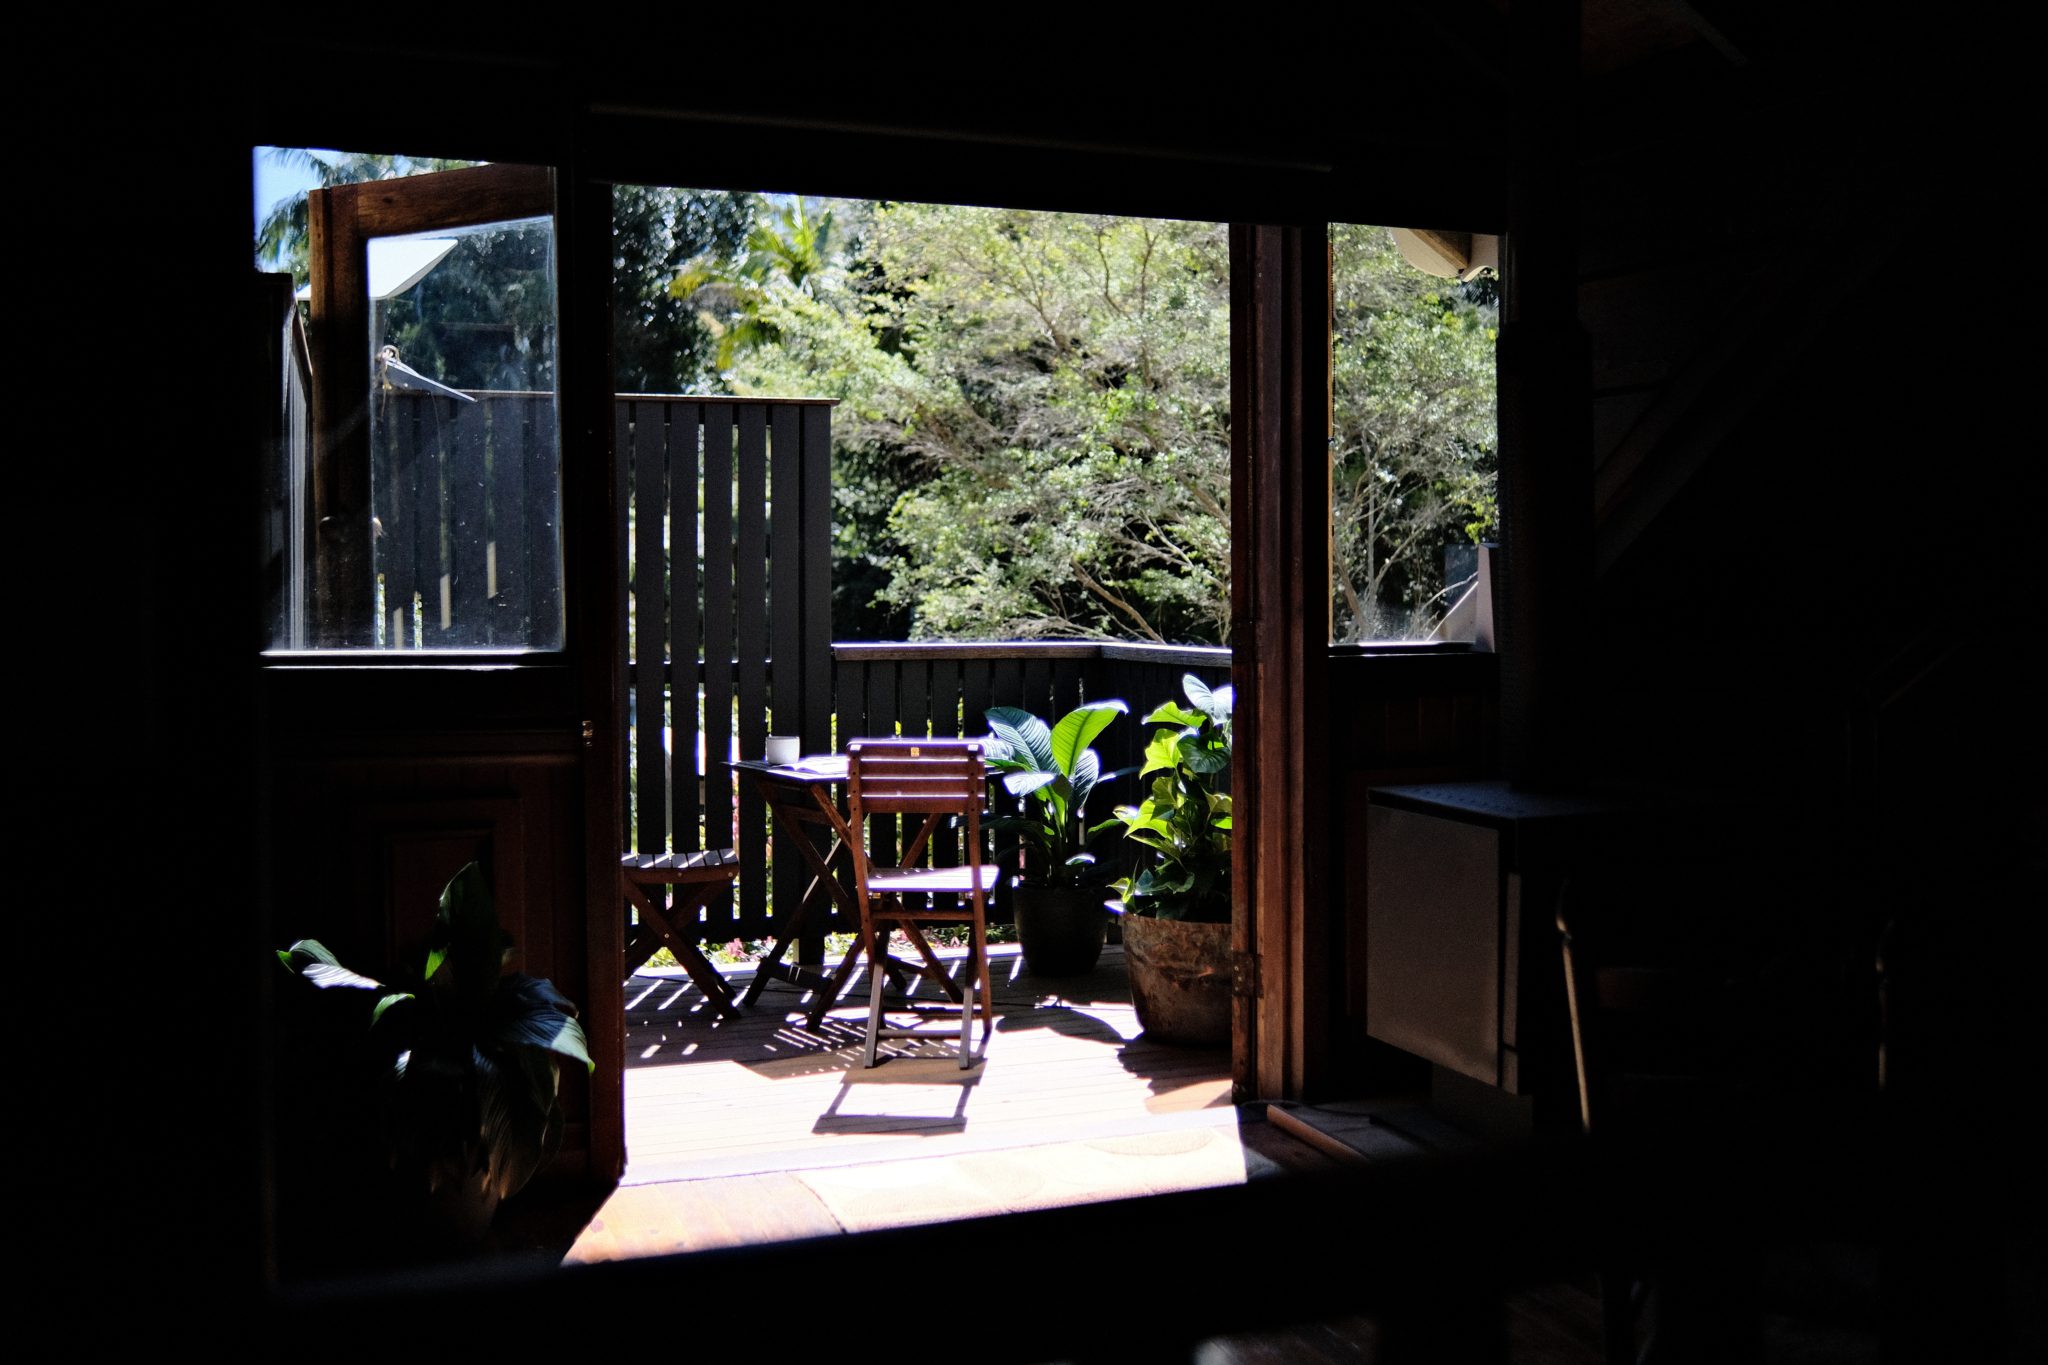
point(783, 749)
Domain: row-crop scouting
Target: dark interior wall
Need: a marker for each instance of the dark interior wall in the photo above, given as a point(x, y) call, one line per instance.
point(1816, 601)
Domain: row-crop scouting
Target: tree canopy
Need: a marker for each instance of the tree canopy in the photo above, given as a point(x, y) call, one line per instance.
point(1034, 432)
point(1069, 417)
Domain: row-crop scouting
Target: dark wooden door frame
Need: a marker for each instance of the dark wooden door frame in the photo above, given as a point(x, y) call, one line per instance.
point(1280, 528)
point(594, 557)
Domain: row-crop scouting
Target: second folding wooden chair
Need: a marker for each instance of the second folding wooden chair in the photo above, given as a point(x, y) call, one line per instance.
point(942, 781)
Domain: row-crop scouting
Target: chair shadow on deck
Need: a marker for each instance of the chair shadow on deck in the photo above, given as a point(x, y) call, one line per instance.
point(901, 1062)
point(935, 1070)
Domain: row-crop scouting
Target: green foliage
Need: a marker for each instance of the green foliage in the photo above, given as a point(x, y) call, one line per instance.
point(740, 299)
point(659, 344)
point(1068, 421)
point(1051, 771)
point(1033, 438)
point(469, 1053)
point(1413, 454)
point(1185, 822)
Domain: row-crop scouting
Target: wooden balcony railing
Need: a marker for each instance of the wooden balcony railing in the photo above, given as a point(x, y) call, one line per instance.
point(942, 690)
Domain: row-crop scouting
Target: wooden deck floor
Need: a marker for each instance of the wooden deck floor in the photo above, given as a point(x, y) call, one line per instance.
point(759, 1129)
point(708, 1097)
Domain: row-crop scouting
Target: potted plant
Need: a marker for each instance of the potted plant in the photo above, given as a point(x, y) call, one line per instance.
point(454, 1078)
point(1051, 770)
point(1176, 904)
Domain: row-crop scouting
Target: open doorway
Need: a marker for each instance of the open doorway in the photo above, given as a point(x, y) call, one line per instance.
point(1030, 502)
point(1025, 505)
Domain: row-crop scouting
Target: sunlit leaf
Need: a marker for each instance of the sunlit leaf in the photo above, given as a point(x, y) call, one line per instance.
point(1077, 730)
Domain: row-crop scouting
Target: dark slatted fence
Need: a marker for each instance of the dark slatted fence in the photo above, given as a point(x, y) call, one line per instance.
point(465, 557)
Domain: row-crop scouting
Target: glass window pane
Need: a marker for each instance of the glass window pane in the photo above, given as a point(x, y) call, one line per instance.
point(1413, 431)
point(417, 501)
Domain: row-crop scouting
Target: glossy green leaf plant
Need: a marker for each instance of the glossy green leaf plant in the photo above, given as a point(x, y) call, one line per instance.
point(1185, 821)
point(1050, 770)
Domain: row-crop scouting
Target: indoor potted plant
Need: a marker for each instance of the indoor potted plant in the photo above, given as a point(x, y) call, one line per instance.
point(452, 1080)
point(1051, 770)
point(1176, 903)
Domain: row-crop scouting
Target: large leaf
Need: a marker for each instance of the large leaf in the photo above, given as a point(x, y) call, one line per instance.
point(1087, 772)
point(1019, 727)
point(1077, 730)
point(468, 943)
point(1173, 713)
point(1162, 752)
point(527, 1011)
point(1001, 756)
point(1025, 783)
point(310, 958)
point(1200, 757)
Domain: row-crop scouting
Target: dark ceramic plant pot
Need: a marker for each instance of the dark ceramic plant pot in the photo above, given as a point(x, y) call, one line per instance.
point(1180, 979)
point(1060, 928)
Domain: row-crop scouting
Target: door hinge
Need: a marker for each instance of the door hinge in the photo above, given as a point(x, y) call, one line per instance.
point(1244, 976)
point(589, 734)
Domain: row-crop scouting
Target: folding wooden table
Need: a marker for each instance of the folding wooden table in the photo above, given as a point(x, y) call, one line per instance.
point(696, 877)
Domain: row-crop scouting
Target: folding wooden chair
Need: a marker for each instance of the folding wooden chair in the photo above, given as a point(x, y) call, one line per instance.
point(940, 780)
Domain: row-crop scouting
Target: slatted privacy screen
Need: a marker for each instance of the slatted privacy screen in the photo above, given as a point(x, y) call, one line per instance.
point(466, 501)
point(729, 530)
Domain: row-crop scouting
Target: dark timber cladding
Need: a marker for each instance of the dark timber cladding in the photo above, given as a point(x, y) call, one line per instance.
point(1546, 434)
point(648, 439)
point(750, 607)
point(685, 804)
point(718, 645)
point(785, 626)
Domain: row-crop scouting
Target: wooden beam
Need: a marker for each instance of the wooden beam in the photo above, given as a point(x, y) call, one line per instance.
point(1280, 579)
point(450, 199)
point(339, 334)
point(1544, 595)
